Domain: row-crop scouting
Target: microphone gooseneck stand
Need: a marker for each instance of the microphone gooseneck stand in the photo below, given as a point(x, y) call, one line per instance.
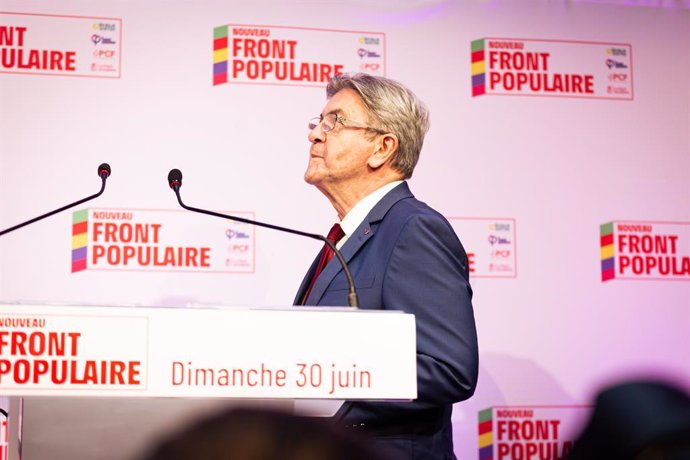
point(103, 172)
point(175, 182)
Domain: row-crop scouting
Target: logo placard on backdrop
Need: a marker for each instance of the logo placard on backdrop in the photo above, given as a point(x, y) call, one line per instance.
point(528, 432)
point(160, 240)
point(555, 68)
point(490, 245)
point(638, 250)
point(296, 56)
point(60, 45)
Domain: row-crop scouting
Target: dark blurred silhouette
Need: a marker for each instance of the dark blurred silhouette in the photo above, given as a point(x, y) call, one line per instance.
point(641, 420)
point(251, 434)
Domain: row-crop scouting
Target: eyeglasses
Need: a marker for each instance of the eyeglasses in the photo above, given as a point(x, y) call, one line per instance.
point(329, 121)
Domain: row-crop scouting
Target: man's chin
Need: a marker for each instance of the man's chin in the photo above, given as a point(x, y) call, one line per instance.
point(311, 178)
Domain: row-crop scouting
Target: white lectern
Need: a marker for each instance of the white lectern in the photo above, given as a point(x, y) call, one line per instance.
point(111, 372)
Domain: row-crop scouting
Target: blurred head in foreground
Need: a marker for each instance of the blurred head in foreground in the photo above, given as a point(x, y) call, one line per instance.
point(637, 420)
point(249, 434)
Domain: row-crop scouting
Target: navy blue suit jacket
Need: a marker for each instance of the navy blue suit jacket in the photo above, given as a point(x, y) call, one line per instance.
point(406, 256)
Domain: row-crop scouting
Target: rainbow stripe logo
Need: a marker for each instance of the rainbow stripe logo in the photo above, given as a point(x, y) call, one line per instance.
point(80, 225)
point(608, 263)
point(220, 55)
point(486, 435)
point(478, 68)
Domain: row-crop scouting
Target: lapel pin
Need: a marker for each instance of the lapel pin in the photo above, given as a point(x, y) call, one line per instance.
point(366, 231)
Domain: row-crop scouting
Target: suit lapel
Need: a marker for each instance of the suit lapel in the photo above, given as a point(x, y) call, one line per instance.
point(354, 243)
point(305, 281)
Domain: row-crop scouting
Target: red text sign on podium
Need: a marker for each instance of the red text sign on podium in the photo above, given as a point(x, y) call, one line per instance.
point(324, 353)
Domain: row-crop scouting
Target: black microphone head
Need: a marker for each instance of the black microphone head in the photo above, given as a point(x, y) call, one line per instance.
point(175, 178)
point(104, 168)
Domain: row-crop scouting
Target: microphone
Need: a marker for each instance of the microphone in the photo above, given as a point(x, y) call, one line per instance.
point(103, 173)
point(175, 182)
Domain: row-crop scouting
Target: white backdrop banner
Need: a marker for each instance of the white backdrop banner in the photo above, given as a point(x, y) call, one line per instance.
point(568, 120)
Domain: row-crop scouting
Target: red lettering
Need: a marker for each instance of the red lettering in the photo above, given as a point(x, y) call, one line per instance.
point(134, 373)
point(7, 36)
point(252, 381)
point(110, 229)
point(130, 253)
point(253, 69)
point(513, 428)
point(3, 340)
point(54, 373)
point(40, 368)
point(622, 243)
point(494, 78)
point(493, 57)
point(97, 252)
point(509, 81)
point(17, 346)
point(97, 230)
point(505, 60)
point(113, 255)
point(647, 244)
point(521, 79)
point(634, 243)
point(236, 45)
point(266, 68)
point(237, 67)
point(577, 84)
point(519, 60)
point(249, 48)
point(554, 428)
point(22, 371)
point(5, 367)
point(117, 368)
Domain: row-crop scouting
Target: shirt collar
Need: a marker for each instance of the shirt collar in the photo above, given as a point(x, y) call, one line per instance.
point(359, 211)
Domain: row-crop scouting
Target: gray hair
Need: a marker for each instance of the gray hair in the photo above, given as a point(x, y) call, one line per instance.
point(393, 108)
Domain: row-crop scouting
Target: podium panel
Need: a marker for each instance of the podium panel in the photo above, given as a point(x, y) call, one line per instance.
point(106, 382)
point(324, 353)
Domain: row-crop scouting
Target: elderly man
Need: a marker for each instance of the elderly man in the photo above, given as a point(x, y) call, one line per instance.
point(403, 255)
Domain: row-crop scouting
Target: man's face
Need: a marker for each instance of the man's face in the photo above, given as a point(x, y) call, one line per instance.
point(339, 158)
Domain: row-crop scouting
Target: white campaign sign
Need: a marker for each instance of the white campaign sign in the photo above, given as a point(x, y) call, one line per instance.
point(159, 240)
point(45, 44)
point(207, 352)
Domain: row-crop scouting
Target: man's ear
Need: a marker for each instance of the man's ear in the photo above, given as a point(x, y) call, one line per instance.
point(385, 150)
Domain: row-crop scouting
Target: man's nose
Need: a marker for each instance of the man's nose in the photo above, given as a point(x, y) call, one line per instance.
point(316, 134)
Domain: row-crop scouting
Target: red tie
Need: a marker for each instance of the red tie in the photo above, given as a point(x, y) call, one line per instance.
point(334, 236)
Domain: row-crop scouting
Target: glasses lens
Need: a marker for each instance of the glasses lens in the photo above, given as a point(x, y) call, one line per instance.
point(314, 122)
point(328, 122)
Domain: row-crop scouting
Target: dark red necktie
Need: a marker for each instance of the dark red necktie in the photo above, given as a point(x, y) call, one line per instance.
point(327, 253)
